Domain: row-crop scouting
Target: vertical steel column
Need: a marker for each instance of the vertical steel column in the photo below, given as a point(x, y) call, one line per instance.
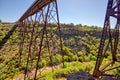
point(30, 44)
point(21, 37)
point(41, 43)
point(59, 32)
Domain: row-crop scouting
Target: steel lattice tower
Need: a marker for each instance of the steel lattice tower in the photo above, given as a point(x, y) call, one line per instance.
point(37, 32)
point(110, 36)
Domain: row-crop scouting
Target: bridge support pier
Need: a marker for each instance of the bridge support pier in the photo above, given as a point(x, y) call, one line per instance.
point(40, 33)
point(110, 36)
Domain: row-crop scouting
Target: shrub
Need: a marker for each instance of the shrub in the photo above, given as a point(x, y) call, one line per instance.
point(2, 76)
point(1, 59)
point(45, 75)
point(81, 59)
point(67, 51)
point(42, 64)
point(66, 58)
point(64, 72)
point(86, 59)
point(80, 53)
point(57, 59)
point(118, 71)
point(74, 58)
point(92, 57)
point(61, 73)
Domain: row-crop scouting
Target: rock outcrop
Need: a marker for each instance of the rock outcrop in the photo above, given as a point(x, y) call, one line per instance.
point(80, 76)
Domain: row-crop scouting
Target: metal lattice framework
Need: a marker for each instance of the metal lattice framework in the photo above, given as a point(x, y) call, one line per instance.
point(110, 36)
point(37, 33)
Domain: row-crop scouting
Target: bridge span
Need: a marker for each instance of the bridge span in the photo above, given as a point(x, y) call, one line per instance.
point(36, 33)
point(43, 12)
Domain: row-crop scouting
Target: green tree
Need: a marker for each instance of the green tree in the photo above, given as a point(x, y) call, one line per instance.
point(0, 21)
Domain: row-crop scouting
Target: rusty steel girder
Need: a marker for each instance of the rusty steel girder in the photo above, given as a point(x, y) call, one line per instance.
point(34, 8)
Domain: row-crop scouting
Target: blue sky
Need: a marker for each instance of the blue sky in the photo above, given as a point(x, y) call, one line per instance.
point(86, 12)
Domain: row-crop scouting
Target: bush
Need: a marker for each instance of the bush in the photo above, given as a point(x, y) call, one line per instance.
point(118, 71)
point(74, 58)
point(66, 58)
point(81, 59)
point(86, 59)
point(93, 58)
point(80, 53)
point(42, 64)
point(65, 71)
point(1, 59)
point(2, 76)
point(57, 59)
point(45, 75)
point(61, 73)
point(67, 51)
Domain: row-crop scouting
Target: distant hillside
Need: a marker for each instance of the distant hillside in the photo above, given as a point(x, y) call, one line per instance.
point(81, 30)
point(80, 47)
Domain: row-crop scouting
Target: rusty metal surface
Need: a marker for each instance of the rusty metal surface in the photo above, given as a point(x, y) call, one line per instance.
point(35, 7)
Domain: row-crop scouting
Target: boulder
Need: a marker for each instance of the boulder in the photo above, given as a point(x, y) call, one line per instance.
point(80, 76)
point(108, 78)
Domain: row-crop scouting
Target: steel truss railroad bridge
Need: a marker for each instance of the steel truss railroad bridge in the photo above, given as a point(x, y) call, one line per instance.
point(42, 13)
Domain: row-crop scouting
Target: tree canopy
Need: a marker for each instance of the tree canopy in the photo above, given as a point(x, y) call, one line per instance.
point(0, 21)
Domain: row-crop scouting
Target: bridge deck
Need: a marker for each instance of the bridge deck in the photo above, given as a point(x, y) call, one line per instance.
point(35, 7)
